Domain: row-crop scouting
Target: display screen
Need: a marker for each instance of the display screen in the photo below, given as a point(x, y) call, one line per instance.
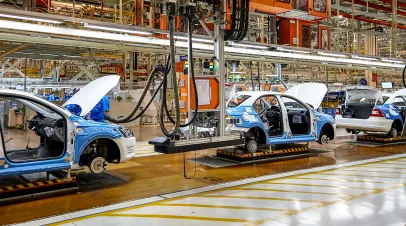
point(387, 85)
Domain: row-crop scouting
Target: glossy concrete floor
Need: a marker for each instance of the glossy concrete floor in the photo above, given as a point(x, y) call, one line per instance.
point(276, 195)
point(358, 193)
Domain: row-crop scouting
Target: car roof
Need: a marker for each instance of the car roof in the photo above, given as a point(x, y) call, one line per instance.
point(18, 93)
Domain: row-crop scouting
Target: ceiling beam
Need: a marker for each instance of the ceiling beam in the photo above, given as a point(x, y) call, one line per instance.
point(14, 50)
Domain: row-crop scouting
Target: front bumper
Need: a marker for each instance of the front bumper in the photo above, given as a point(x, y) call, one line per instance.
point(127, 147)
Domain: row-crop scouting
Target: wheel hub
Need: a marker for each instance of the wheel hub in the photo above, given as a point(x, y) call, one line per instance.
point(98, 165)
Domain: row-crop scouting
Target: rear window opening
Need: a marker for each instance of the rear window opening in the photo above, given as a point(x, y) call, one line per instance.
point(234, 102)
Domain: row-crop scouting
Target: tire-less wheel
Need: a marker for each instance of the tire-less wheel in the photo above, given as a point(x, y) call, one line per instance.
point(393, 132)
point(251, 146)
point(324, 139)
point(98, 165)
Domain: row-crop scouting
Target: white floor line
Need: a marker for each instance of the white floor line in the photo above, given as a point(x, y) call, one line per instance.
point(81, 213)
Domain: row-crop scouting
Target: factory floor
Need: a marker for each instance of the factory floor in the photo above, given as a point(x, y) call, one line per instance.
point(343, 183)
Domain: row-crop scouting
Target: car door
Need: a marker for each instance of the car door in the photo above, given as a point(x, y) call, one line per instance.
point(301, 120)
point(43, 145)
point(400, 104)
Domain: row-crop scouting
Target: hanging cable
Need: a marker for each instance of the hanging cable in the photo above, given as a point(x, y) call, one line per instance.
point(403, 76)
point(192, 71)
point(252, 77)
point(171, 26)
point(138, 105)
point(259, 79)
point(167, 69)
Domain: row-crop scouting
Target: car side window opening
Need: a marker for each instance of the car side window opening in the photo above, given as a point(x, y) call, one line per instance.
point(399, 101)
point(298, 115)
point(32, 132)
point(237, 101)
point(269, 111)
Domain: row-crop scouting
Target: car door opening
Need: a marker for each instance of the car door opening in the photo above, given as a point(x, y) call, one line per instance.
point(298, 116)
point(46, 134)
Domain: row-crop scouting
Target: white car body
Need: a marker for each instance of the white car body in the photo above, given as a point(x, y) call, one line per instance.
point(372, 123)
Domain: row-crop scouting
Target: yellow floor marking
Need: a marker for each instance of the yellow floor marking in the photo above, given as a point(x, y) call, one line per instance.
point(30, 185)
point(288, 191)
point(394, 163)
point(372, 171)
point(378, 191)
point(10, 188)
point(256, 197)
point(343, 180)
point(358, 175)
point(322, 186)
point(178, 217)
point(20, 186)
point(272, 181)
point(384, 167)
point(226, 207)
point(40, 183)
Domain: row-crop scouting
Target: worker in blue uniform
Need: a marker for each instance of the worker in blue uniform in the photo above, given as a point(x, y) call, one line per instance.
point(97, 113)
point(74, 109)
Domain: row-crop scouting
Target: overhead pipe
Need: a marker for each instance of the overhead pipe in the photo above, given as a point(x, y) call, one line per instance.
point(400, 4)
point(365, 19)
point(376, 6)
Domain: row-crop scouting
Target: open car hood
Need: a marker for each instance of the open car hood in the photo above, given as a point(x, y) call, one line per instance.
point(92, 93)
point(310, 93)
point(401, 92)
point(358, 92)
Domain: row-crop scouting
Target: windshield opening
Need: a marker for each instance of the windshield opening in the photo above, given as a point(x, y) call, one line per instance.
point(234, 102)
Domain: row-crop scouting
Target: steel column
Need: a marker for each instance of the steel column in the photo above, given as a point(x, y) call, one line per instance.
point(220, 63)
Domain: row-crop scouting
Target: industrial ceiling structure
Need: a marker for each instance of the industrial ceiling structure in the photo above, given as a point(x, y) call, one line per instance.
point(365, 37)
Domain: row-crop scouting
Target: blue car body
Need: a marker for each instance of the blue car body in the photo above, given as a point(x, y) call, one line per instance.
point(79, 136)
point(244, 118)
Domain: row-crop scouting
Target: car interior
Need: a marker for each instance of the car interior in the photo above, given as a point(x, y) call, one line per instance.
point(46, 139)
point(269, 111)
point(358, 108)
point(298, 115)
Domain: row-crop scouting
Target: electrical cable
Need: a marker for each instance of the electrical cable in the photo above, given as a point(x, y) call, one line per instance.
point(192, 69)
point(403, 76)
point(171, 26)
point(259, 79)
point(252, 77)
point(138, 105)
point(167, 69)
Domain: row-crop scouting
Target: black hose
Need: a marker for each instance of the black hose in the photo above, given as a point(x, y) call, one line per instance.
point(167, 69)
point(228, 34)
point(252, 77)
point(171, 25)
point(259, 80)
point(138, 105)
point(191, 65)
point(403, 76)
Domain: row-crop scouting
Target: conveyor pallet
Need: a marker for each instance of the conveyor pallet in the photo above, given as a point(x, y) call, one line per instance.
point(262, 155)
point(34, 190)
point(380, 140)
point(166, 146)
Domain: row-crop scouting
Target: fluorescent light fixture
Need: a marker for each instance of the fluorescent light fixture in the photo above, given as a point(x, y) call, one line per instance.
point(332, 54)
point(194, 39)
point(237, 72)
point(25, 53)
point(47, 54)
point(118, 29)
point(30, 18)
point(247, 45)
point(394, 61)
point(228, 50)
point(340, 16)
point(363, 58)
point(291, 50)
point(70, 56)
point(271, 75)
